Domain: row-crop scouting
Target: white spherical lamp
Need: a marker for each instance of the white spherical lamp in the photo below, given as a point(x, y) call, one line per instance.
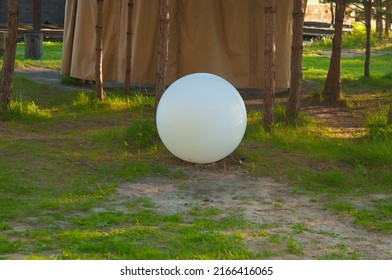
point(201, 118)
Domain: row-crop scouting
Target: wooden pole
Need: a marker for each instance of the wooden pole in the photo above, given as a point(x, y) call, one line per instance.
point(98, 48)
point(37, 12)
point(163, 49)
point(128, 59)
point(269, 66)
point(390, 114)
point(34, 39)
point(293, 104)
point(10, 52)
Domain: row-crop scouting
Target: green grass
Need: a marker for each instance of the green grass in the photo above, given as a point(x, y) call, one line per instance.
point(52, 52)
point(64, 155)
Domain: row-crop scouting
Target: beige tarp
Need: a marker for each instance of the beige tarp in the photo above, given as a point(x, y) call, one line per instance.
point(223, 37)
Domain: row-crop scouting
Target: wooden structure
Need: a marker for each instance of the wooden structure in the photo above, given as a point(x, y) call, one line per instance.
point(34, 40)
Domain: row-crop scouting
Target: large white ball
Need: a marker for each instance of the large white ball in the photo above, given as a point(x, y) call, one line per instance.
point(201, 118)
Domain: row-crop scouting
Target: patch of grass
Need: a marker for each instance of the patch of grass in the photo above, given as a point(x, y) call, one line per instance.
point(379, 130)
point(52, 53)
point(140, 203)
point(5, 226)
point(27, 111)
point(71, 81)
point(142, 134)
point(340, 206)
point(298, 228)
point(377, 219)
point(294, 246)
point(7, 246)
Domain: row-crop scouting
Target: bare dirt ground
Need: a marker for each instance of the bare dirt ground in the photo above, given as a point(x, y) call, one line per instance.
point(258, 200)
point(263, 201)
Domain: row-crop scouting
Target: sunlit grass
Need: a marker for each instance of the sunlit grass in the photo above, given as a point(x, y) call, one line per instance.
point(64, 155)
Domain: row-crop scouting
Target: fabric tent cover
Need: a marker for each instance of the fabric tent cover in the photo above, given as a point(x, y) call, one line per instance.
point(223, 37)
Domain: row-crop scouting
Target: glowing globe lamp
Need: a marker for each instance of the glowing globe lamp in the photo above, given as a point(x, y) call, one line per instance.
point(201, 118)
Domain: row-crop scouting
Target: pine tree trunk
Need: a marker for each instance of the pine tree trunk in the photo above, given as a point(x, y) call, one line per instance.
point(293, 104)
point(163, 49)
point(331, 8)
point(379, 20)
point(9, 58)
point(332, 87)
point(368, 23)
point(98, 48)
point(390, 114)
point(128, 59)
point(269, 66)
point(388, 17)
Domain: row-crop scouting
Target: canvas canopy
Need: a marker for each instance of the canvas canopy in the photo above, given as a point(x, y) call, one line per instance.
point(223, 37)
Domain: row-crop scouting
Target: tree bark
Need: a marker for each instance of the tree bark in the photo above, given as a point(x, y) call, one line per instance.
point(10, 52)
point(379, 20)
point(293, 104)
point(163, 49)
point(390, 114)
point(128, 59)
point(367, 4)
point(37, 12)
point(269, 66)
point(34, 45)
point(98, 48)
point(331, 7)
point(332, 87)
point(388, 18)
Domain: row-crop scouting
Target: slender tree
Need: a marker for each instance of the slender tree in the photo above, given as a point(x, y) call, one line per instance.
point(128, 59)
point(163, 49)
point(379, 20)
point(388, 17)
point(331, 8)
point(269, 66)
point(390, 114)
point(332, 87)
point(293, 104)
point(9, 59)
point(98, 48)
point(367, 4)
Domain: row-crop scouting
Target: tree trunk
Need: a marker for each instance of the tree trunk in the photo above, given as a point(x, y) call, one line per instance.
point(388, 17)
point(163, 49)
point(332, 87)
point(331, 7)
point(128, 59)
point(379, 24)
point(34, 45)
point(368, 23)
point(293, 104)
point(390, 114)
point(10, 52)
point(98, 48)
point(269, 66)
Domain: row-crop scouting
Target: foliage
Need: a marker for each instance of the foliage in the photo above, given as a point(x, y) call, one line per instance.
point(142, 134)
point(356, 38)
point(353, 40)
